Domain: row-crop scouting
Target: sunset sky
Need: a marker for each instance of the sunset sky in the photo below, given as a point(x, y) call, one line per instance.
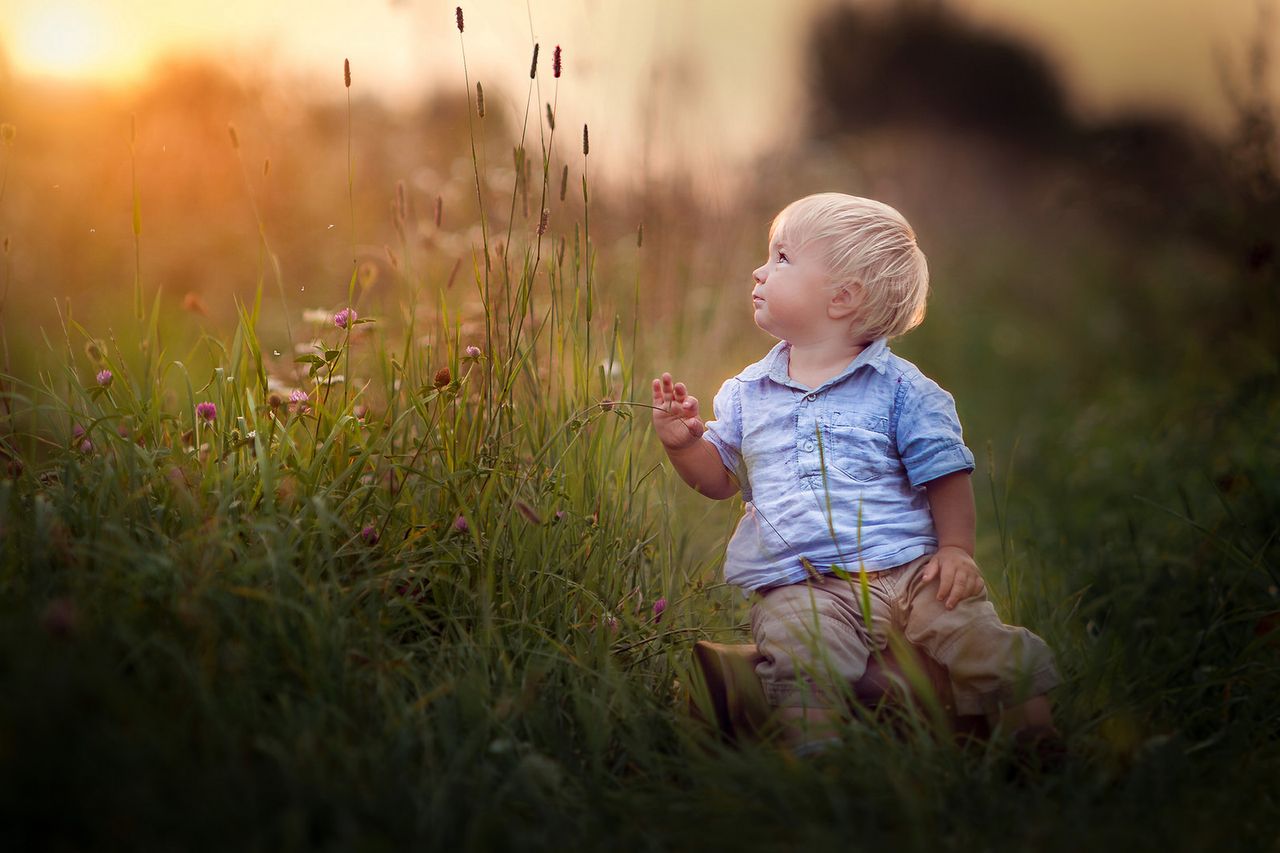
point(703, 77)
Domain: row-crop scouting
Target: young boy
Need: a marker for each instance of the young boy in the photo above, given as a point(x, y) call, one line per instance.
point(848, 457)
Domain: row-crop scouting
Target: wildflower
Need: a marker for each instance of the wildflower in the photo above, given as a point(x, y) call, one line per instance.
point(298, 401)
point(459, 14)
point(193, 303)
point(460, 524)
point(104, 378)
point(555, 63)
point(206, 411)
point(658, 607)
point(443, 377)
point(360, 411)
point(59, 618)
point(346, 73)
point(369, 534)
point(560, 514)
point(86, 446)
point(77, 432)
point(611, 622)
point(345, 318)
point(473, 351)
point(533, 67)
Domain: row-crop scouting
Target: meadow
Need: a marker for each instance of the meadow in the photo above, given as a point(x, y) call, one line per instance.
point(395, 560)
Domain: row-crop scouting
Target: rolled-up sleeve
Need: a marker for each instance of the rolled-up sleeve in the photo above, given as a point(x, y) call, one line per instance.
point(725, 432)
point(930, 441)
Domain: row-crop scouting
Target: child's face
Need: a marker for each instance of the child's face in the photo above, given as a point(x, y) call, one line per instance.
point(793, 292)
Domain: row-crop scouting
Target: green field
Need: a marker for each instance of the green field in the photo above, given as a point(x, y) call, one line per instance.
point(416, 608)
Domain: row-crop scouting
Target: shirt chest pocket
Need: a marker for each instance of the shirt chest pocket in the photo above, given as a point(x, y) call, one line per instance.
point(857, 446)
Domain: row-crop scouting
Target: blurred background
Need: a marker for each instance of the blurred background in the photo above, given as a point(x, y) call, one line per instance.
point(1094, 182)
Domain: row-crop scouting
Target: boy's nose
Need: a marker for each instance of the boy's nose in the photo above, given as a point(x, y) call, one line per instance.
point(758, 275)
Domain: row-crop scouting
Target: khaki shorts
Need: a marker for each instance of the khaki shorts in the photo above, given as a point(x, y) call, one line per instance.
point(811, 633)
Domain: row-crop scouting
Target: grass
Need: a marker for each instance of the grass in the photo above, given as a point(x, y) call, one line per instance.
point(417, 609)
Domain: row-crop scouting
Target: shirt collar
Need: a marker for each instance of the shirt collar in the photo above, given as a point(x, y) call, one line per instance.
point(774, 365)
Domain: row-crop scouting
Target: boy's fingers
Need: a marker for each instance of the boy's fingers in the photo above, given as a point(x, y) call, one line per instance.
point(946, 580)
point(930, 569)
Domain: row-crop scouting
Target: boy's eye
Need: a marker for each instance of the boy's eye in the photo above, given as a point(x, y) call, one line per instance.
point(782, 256)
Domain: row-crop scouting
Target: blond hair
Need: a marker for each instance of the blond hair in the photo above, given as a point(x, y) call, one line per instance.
point(868, 244)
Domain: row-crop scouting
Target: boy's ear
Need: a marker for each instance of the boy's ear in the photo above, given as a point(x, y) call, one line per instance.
point(845, 301)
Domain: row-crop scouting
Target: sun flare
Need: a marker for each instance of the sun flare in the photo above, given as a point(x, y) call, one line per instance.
point(64, 40)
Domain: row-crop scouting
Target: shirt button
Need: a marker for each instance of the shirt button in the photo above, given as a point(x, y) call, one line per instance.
point(811, 397)
point(808, 446)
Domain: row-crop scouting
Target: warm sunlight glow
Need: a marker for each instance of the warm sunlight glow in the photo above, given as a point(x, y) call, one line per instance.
point(64, 40)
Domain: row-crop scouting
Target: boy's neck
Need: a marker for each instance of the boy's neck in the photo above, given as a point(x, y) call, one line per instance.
point(812, 364)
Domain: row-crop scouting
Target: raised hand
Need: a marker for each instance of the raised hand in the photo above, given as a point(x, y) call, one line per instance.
point(675, 414)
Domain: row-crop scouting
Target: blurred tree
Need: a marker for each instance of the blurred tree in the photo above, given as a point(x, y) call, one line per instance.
point(920, 64)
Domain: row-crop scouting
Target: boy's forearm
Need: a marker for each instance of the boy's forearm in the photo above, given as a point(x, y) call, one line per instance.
point(700, 466)
point(954, 514)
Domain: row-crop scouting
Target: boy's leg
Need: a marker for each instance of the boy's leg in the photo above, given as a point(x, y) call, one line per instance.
point(815, 647)
point(1002, 671)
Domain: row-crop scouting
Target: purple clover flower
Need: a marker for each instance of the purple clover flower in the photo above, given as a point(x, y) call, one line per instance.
point(460, 524)
point(369, 534)
point(104, 377)
point(298, 401)
point(206, 411)
point(658, 607)
point(345, 318)
point(473, 351)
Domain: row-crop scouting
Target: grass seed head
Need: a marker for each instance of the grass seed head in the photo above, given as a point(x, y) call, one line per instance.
point(235, 138)
point(555, 63)
point(586, 141)
point(439, 210)
point(458, 13)
point(542, 221)
point(479, 99)
point(551, 118)
point(533, 66)
point(530, 514)
point(346, 73)
point(8, 133)
point(640, 236)
point(564, 181)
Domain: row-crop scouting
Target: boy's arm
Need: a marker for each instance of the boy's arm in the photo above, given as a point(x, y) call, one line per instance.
point(675, 419)
point(955, 520)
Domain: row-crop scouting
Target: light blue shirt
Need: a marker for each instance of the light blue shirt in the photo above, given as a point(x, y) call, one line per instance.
point(833, 474)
